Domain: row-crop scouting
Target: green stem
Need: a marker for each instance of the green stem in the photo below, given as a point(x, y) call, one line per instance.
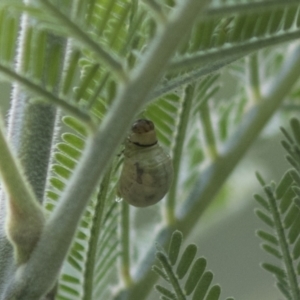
point(252, 7)
point(13, 180)
point(177, 152)
point(74, 29)
point(95, 233)
point(253, 79)
point(25, 215)
point(192, 76)
point(208, 131)
point(125, 244)
point(285, 249)
point(239, 49)
point(211, 180)
point(172, 277)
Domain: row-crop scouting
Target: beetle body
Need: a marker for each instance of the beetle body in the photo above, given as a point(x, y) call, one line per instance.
point(147, 170)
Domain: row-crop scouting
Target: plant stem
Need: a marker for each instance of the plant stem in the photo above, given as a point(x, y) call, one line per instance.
point(248, 7)
point(208, 131)
point(177, 152)
point(239, 49)
point(192, 76)
point(125, 244)
point(25, 215)
point(172, 277)
point(253, 79)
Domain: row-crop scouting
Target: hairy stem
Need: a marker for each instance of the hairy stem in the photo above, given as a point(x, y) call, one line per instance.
point(284, 245)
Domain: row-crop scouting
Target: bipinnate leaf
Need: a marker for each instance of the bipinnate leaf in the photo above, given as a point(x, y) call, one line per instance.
point(283, 215)
point(197, 285)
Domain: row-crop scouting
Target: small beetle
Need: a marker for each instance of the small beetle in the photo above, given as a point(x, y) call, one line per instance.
point(147, 170)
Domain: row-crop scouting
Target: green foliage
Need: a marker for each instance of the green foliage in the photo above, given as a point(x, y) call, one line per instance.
point(281, 213)
point(175, 267)
point(83, 57)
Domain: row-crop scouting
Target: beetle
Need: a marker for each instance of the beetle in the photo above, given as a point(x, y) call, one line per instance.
point(147, 169)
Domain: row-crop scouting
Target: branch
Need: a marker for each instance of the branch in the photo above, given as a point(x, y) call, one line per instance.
point(241, 49)
point(192, 76)
point(226, 10)
point(45, 262)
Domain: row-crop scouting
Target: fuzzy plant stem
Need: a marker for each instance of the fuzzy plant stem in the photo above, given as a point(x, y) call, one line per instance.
point(45, 262)
point(211, 180)
point(13, 135)
point(25, 218)
point(30, 134)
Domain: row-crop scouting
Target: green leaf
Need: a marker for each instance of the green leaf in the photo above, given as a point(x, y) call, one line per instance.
point(174, 246)
point(165, 292)
point(283, 185)
point(203, 286)
point(264, 217)
point(268, 237)
point(271, 250)
point(290, 217)
point(160, 272)
point(186, 260)
point(295, 125)
point(73, 140)
point(296, 249)
point(264, 203)
point(195, 274)
point(275, 270)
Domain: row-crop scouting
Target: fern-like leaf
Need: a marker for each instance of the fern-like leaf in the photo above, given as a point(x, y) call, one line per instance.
point(175, 267)
point(282, 214)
